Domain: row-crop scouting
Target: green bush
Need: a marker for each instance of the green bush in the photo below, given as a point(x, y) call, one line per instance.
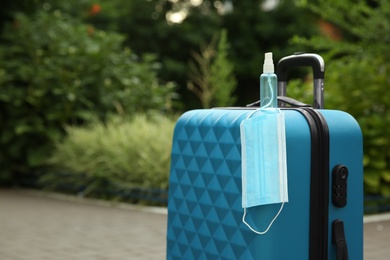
point(56, 71)
point(361, 90)
point(211, 74)
point(357, 77)
point(122, 154)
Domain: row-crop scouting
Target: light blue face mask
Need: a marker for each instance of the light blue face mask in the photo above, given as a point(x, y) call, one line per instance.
point(264, 162)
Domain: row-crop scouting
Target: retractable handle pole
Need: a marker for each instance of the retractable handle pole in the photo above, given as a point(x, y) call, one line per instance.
point(303, 60)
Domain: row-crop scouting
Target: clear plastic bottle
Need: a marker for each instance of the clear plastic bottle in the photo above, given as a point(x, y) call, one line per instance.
point(268, 84)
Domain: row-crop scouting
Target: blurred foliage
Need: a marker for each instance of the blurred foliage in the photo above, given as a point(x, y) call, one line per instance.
point(56, 71)
point(251, 28)
point(358, 76)
point(124, 153)
point(52, 76)
point(211, 74)
point(149, 27)
point(222, 77)
point(10, 7)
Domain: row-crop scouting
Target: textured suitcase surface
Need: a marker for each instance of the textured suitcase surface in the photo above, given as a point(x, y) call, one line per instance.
point(204, 208)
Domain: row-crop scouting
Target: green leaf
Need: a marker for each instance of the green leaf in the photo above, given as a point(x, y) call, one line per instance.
point(385, 190)
point(37, 157)
point(386, 176)
point(6, 136)
point(372, 179)
point(378, 163)
point(21, 129)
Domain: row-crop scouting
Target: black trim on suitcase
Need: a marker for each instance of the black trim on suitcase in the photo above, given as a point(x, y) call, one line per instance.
point(319, 184)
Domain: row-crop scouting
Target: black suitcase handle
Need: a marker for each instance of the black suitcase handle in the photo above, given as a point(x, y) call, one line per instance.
point(303, 60)
point(339, 240)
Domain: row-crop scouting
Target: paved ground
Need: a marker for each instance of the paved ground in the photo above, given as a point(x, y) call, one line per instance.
point(37, 226)
point(45, 228)
point(377, 237)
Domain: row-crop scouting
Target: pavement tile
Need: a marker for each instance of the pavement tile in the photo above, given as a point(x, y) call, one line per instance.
point(40, 226)
point(377, 240)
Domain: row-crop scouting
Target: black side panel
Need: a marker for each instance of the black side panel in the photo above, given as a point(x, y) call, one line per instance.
point(319, 184)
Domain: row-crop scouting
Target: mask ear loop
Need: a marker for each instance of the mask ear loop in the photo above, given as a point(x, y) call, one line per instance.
point(269, 226)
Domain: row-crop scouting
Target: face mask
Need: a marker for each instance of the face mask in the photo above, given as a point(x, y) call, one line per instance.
point(264, 164)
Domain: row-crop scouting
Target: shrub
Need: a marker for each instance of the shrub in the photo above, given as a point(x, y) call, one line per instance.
point(211, 74)
point(56, 71)
point(122, 154)
point(358, 77)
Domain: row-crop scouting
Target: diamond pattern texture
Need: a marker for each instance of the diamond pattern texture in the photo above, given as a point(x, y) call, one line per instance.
point(204, 206)
point(204, 210)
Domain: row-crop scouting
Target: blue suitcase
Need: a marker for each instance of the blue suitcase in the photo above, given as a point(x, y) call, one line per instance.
point(324, 216)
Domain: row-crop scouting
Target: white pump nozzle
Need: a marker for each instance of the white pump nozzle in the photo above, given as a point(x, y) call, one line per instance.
point(268, 66)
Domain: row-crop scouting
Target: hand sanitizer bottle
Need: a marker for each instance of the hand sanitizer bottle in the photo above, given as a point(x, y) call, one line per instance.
point(268, 84)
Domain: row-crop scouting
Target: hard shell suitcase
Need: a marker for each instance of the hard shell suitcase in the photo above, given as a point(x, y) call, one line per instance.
point(324, 216)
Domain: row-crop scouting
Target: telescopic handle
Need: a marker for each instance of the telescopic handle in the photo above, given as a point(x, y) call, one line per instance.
point(303, 60)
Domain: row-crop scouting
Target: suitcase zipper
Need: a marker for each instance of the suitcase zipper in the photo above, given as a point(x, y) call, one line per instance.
point(319, 184)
